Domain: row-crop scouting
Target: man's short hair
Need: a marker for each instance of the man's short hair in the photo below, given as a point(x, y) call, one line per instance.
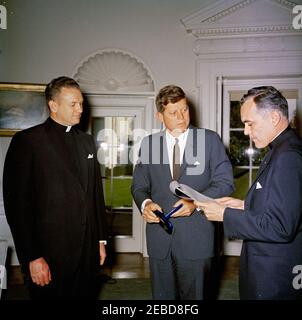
point(54, 87)
point(168, 94)
point(267, 98)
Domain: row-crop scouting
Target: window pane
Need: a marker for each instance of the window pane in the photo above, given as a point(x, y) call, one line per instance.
point(114, 140)
point(241, 180)
point(120, 195)
point(235, 120)
point(259, 155)
point(239, 144)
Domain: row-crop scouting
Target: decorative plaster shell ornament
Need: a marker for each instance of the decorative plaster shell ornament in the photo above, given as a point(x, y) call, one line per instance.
point(114, 71)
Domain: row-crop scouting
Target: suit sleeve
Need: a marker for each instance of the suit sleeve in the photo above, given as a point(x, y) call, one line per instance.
point(18, 197)
point(100, 201)
point(282, 212)
point(141, 187)
point(221, 182)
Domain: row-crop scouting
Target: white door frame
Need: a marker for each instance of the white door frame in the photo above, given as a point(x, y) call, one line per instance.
point(141, 108)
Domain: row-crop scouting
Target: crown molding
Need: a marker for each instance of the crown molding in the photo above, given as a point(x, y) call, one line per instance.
point(273, 45)
point(216, 21)
point(244, 30)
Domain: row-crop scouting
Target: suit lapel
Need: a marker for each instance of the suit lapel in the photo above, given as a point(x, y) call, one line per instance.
point(164, 156)
point(274, 145)
point(190, 145)
point(266, 160)
point(264, 164)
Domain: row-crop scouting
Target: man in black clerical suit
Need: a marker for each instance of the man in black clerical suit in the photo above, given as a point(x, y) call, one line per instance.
point(270, 219)
point(54, 202)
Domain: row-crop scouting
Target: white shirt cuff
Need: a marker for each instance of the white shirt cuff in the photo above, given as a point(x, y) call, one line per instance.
point(144, 204)
point(103, 241)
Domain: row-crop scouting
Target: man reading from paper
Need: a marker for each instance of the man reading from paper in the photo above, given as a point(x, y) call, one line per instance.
point(270, 219)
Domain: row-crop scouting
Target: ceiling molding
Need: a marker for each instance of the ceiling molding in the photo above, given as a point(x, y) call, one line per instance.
point(233, 18)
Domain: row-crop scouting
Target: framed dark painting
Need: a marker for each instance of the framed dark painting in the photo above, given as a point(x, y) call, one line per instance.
point(21, 106)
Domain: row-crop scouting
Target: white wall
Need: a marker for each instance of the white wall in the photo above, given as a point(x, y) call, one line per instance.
point(45, 39)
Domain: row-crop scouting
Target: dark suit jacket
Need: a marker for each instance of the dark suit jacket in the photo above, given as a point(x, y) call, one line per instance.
point(50, 207)
point(271, 224)
point(205, 168)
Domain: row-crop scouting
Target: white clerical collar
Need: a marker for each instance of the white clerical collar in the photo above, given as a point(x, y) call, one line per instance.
point(61, 126)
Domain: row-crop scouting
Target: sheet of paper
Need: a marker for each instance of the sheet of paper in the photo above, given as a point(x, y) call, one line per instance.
point(185, 192)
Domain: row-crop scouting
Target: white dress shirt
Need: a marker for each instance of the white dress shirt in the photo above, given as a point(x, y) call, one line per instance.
point(170, 140)
point(182, 139)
